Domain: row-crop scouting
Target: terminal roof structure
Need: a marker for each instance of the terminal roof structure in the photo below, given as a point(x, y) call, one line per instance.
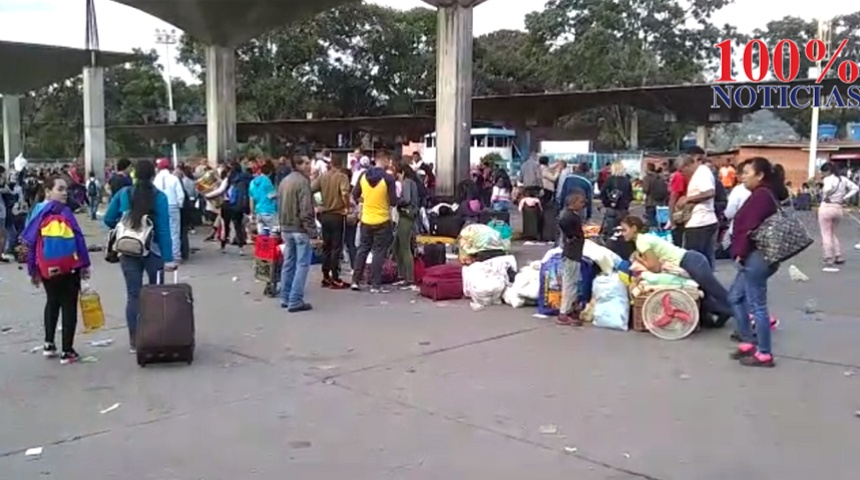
point(29, 66)
point(228, 23)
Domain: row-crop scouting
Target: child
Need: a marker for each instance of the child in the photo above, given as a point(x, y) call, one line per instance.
point(573, 239)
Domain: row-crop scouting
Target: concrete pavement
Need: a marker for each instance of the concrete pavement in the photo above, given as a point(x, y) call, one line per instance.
point(399, 387)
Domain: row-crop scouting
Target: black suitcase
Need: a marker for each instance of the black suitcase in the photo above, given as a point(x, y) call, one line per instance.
point(165, 325)
point(532, 222)
point(434, 254)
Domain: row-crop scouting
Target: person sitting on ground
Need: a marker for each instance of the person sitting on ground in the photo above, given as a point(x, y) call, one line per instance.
point(655, 253)
point(573, 241)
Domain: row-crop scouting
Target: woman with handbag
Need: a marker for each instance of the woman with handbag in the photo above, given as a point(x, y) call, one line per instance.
point(748, 293)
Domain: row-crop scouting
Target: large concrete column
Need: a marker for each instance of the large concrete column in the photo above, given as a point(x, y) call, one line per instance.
point(220, 103)
point(94, 121)
point(453, 93)
point(12, 140)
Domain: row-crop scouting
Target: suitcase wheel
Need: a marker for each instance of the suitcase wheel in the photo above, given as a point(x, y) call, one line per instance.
point(269, 290)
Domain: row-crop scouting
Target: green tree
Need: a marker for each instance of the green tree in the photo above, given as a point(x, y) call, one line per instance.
point(802, 31)
point(509, 62)
point(134, 93)
point(351, 61)
point(599, 44)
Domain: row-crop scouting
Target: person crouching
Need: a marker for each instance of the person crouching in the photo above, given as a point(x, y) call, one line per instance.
point(57, 259)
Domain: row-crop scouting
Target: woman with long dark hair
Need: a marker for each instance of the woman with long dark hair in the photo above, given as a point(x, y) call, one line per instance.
point(134, 205)
point(235, 206)
point(748, 293)
point(59, 267)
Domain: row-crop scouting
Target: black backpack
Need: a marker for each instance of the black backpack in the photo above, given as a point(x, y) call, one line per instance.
point(659, 189)
point(92, 189)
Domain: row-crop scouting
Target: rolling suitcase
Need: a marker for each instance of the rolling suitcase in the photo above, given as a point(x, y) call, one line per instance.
point(443, 282)
point(165, 326)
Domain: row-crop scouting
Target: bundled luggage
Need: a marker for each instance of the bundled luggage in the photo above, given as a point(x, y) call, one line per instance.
point(165, 326)
point(443, 282)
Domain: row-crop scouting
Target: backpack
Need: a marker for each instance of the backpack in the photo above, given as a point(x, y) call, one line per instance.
point(92, 189)
point(130, 241)
point(56, 245)
point(659, 189)
point(237, 196)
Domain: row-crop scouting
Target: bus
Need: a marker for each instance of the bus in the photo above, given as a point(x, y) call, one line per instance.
point(485, 141)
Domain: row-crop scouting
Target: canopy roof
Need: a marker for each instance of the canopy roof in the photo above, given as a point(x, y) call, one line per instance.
point(29, 66)
point(228, 23)
point(406, 126)
point(686, 102)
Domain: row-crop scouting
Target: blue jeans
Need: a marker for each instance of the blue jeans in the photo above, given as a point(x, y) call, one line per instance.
point(93, 204)
point(716, 299)
point(748, 295)
point(297, 264)
point(133, 269)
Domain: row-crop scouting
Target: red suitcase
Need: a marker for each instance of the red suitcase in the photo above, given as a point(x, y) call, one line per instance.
point(443, 282)
point(165, 325)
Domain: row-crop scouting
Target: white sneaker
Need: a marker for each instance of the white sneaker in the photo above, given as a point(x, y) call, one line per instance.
point(830, 269)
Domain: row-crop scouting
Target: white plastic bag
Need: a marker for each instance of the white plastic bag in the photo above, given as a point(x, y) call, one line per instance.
point(527, 283)
point(512, 298)
point(605, 258)
point(483, 284)
point(611, 302)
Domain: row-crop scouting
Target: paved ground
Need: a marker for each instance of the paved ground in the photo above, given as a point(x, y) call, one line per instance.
point(373, 387)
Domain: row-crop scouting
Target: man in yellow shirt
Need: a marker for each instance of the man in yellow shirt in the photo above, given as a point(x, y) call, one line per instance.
point(376, 191)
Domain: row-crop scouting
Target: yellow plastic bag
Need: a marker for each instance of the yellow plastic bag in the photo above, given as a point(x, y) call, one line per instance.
point(91, 310)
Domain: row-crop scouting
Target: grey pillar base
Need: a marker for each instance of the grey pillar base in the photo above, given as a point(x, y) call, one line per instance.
point(12, 140)
point(220, 104)
point(94, 121)
point(453, 97)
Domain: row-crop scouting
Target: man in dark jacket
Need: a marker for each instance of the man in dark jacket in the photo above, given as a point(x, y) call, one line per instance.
point(298, 229)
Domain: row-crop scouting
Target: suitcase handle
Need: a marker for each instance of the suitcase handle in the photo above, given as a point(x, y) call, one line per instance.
point(160, 272)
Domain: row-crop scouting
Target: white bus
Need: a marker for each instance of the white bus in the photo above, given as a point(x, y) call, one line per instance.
point(484, 142)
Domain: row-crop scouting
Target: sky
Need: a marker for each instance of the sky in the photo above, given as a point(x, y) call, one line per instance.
point(122, 28)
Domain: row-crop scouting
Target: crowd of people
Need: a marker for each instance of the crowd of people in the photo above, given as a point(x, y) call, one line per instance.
point(371, 210)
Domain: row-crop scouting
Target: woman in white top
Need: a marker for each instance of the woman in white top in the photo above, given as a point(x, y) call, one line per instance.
point(836, 191)
point(500, 199)
point(737, 197)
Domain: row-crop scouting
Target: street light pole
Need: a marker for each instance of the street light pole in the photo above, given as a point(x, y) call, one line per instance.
point(168, 38)
point(823, 35)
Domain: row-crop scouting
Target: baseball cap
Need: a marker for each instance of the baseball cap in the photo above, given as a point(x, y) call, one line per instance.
point(162, 163)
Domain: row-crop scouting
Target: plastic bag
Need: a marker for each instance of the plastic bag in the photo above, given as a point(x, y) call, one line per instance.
point(611, 303)
point(527, 283)
point(484, 284)
point(605, 258)
point(512, 298)
point(549, 297)
point(92, 314)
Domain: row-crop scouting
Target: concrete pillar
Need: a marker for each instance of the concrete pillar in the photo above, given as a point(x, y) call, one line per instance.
point(702, 136)
point(220, 103)
point(453, 96)
point(634, 130)
point(12, 140)
point(94, 121)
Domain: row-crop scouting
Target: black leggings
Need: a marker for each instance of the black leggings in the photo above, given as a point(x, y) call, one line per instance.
point(232, 217)
point(62, 292)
